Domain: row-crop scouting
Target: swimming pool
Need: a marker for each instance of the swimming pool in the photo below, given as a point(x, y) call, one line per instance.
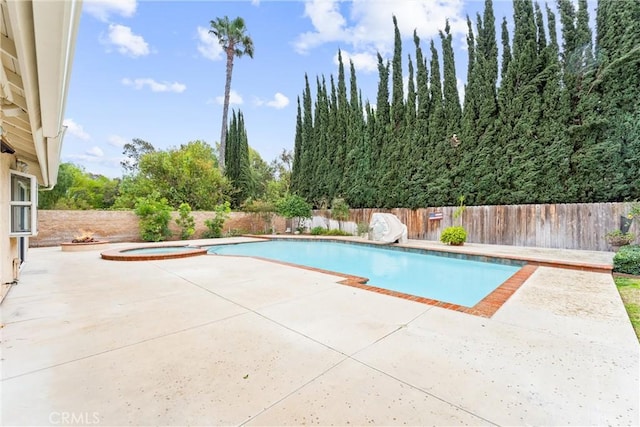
point(457, 281)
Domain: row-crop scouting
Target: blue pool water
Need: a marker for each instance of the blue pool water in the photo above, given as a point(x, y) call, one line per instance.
point(457, 281)
point(159, 250)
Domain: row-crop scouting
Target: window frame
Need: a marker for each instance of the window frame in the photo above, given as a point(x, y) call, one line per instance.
point(32, 204)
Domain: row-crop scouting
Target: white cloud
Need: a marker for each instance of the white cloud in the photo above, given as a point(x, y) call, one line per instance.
point(234, 98)
point(278, 102)
point(95, 151)
point(208, 45)
point(366, 26)
point(126, 41)
point(364, 61)
point(154, 85)
point(328, 22)
point(116, 141)
point(76, 130)
point(101, 9)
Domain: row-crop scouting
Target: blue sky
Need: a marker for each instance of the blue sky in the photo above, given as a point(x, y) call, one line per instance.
point(150, 70)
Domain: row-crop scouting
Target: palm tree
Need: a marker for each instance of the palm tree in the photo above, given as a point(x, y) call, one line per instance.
point(235, 42)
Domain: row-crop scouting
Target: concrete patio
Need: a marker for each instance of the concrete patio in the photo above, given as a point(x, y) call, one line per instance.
point(216, 340)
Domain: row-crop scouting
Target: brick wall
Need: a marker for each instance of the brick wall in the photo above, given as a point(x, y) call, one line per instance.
point(55, 227)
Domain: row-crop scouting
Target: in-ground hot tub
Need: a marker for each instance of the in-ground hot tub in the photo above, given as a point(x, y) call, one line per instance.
point(151, 253)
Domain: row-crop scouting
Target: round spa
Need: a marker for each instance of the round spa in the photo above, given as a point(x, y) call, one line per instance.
point(151, 253)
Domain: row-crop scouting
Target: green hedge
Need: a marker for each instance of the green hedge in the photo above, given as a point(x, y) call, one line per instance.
point(627, 260)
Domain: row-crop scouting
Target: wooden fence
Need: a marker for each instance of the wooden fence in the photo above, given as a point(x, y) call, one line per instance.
point(568, 226)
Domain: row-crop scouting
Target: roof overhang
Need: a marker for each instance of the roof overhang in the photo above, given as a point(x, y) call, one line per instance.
point(36, 50)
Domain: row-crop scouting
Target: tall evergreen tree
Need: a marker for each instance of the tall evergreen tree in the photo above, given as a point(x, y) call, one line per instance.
point(520, 104)
point(342, 133)
point(382, 133)
point(297, 153)
point(357, 161)
point(307, 166)
point(237, 167)
point(393, 148)
point(436, 168)
point(420, 140)
point(616, 82)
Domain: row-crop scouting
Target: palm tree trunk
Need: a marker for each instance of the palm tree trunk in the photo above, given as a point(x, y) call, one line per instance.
point(225, 107)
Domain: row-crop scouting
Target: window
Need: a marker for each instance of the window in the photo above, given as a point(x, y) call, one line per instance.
point(23, 204)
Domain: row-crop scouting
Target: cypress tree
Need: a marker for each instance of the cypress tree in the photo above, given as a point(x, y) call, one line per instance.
point(382, 133)
point(237, 168)
point(393, 148)
point(406, 143)
point(506, 49)
point(436, 168)
point(616, 82)
point(452, 109)
point(469, 135)
point(448, 147)
point(245, 178)
point(520, 104)
point(397, 104)
point(420, 141)
point(342, 130)
point(308, 144)
point(480, 151)
point(297, 153)
point(356, 162)
point(585, 127)
point(321, 160)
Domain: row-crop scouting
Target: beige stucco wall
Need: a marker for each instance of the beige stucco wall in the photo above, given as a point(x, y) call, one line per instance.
point(55, 227)
point(8, 245)
point(6, 253)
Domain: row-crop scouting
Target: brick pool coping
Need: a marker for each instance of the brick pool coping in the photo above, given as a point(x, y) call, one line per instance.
point(488, 306)
point(485, 308)
point(122, 255)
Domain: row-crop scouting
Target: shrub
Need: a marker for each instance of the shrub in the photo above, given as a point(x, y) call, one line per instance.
point(618, 238)
point(318, 231)
point(627, 260)
point(214, 225)
point(453, 235)
point(321, 231)
point(235, 232)
point(363, 228)
point(185, 221)
point(337, 232)
point(154, 214)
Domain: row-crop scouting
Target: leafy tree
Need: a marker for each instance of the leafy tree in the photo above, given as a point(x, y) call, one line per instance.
point(154, 214)
point(188, 174)
point(339, 210)
point(294, 206)
point(133, 152)
point(77, 189)
point(67, 174)
point(185, 221)
point(232, 36)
